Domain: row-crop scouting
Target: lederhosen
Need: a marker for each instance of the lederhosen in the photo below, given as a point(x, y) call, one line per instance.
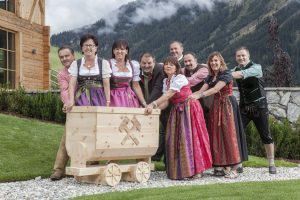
point(253, 104)
point(85, 83)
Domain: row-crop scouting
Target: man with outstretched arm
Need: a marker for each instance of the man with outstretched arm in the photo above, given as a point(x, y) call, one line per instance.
point(253, 102)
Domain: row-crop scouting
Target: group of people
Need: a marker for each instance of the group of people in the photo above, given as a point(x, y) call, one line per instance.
point(201, 124)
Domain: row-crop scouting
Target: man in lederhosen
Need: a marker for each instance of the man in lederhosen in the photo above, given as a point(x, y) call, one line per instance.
point(253, 102)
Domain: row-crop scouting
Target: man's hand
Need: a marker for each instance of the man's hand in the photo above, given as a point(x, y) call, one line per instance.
point(68, 107)
point(237, 75)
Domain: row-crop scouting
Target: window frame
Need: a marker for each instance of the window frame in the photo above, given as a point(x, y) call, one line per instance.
point(8, 69)
point(7, 5)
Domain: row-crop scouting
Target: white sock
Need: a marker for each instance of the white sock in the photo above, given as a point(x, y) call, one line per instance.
point(271, 161)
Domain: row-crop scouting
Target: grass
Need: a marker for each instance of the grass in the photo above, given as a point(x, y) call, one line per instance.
point(275, 190)
point(28, 149)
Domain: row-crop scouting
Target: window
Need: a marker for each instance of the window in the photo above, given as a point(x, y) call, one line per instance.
point(7, 59)
point(8, 5)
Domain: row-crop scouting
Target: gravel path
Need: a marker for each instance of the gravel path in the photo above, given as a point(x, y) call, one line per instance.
point(68, 187)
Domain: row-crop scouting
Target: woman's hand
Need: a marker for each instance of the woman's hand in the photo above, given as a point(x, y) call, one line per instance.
point(195, 95)
point(148, 109)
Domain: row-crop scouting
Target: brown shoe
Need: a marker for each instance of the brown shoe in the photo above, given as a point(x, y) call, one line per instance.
point(57, 175)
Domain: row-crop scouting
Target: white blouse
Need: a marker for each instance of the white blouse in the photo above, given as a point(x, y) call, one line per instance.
point(136, 70)
point(83, 71)
point(176, 83)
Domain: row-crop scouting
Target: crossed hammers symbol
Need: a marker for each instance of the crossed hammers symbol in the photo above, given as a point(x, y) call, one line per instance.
point(123, 126)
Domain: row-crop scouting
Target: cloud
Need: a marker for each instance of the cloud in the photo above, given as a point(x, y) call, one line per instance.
point(70, 14)
point(74, 14)
point(157, 10)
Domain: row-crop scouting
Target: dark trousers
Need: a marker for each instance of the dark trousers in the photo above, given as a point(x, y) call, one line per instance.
point(162, 134)
point(260, 118)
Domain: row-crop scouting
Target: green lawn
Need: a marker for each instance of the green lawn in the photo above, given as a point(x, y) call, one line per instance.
point(28, 149)
point(276, 190)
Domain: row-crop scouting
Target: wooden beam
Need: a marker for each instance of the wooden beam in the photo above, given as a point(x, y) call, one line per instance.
point(42, 10)
point(19, 67)
point(32, 10)
point(18, 8)
point(41, 5)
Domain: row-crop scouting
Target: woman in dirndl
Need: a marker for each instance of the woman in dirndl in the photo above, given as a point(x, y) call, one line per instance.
point(228, 141)
point(187, 141)
point(91, 75)
point(124, 82)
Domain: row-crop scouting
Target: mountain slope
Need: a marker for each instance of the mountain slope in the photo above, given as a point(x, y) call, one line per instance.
point(223, 28)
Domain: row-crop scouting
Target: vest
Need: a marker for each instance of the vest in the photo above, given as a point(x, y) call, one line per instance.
point(251, 89)
point(116, 82)
point(96, 78)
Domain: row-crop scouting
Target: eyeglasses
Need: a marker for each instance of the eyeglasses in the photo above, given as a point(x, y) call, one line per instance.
point(89, 45)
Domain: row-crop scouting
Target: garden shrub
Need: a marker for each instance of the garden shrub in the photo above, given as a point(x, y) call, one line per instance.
point(40, 105)
point(287, 139)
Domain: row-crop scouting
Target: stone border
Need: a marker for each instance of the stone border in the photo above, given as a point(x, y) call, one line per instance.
point(282, 102)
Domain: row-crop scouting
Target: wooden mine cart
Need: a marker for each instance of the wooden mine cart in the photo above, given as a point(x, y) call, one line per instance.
point(111, 135)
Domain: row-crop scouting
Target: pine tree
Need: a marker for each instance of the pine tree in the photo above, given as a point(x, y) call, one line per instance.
point(281, 73)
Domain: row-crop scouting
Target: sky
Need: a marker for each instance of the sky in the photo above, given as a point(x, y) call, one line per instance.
point(64, 15)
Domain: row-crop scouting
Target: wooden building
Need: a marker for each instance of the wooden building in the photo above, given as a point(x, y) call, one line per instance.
point(24, 44)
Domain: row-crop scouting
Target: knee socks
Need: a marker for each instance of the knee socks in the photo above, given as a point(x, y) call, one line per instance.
point(271, 160)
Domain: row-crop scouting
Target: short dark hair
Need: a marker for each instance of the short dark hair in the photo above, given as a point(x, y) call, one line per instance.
point(243, 48)
point(147, 54)
point(86, 37)
point(191, 53)
point(66, 47)
point(173, 60)
point(178, 42)
point(118, 44)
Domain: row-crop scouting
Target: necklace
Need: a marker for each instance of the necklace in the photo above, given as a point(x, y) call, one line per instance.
point(122, 67)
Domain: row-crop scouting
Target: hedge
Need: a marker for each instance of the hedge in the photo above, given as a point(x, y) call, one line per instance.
point(39, 105)
point(286, 137)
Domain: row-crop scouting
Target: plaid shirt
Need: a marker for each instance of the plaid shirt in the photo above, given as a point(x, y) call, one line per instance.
point(63, 78)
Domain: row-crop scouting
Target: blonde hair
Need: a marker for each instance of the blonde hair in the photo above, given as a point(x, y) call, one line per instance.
point(223, 64)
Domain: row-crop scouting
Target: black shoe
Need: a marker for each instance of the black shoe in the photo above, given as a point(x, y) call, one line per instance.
point(155, 158)
point(219, 172)
point(240, 170)
point(272, 170)
point(57, 175)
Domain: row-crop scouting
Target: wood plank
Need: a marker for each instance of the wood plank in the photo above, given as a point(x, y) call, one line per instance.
point(42, 11)
point(18, 43)
point(9, 19)
point(93, 170)
point(115, 110)
point(32, 9)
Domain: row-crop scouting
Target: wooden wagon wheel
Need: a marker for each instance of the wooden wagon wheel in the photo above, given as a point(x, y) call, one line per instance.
point(112, 174)
point(142, 172)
